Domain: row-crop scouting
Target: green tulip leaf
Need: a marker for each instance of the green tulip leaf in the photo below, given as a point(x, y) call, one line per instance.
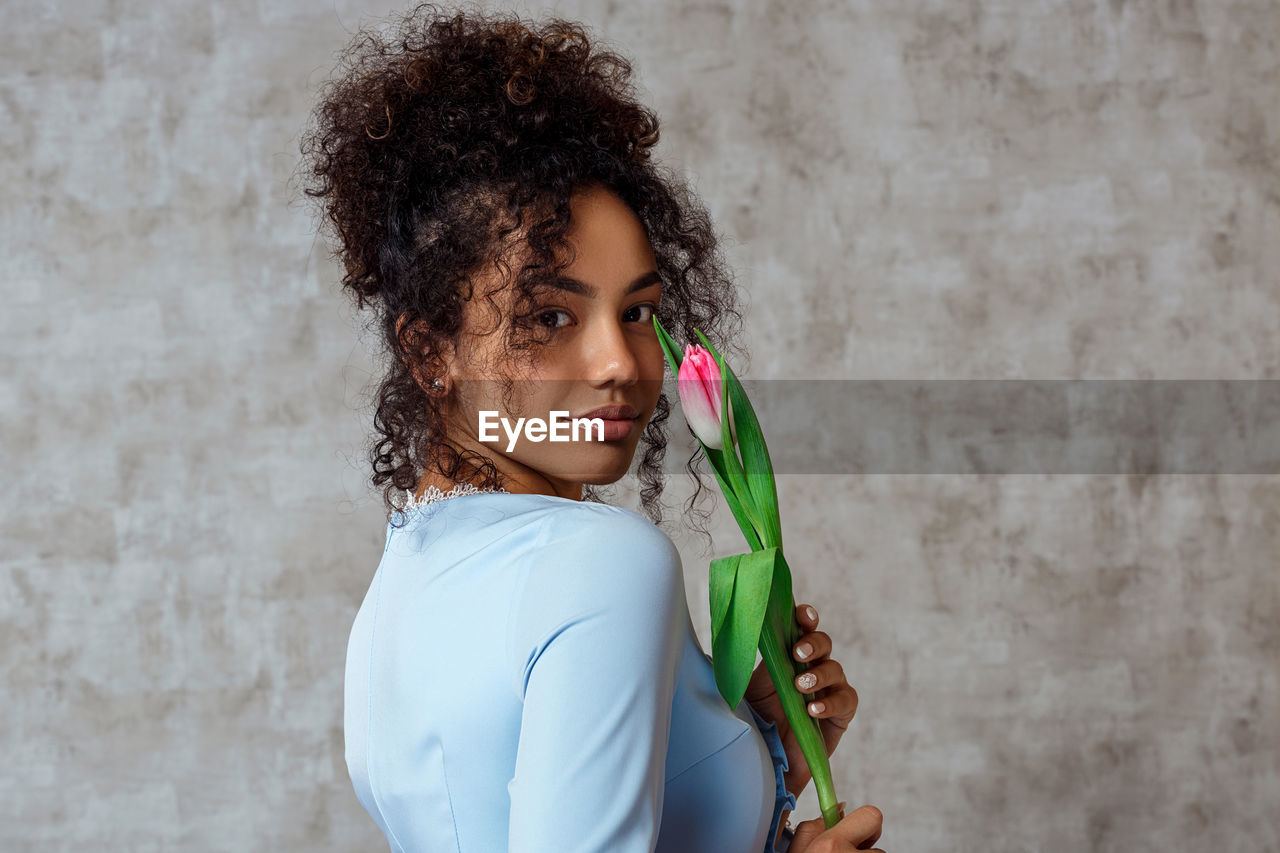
point(755, 459)
point(734, 645)
point(722, 573)
point(675, 356)
point(732, 464)
point(716, 458)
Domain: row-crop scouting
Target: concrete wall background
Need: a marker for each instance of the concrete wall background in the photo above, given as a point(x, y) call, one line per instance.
point(953, 190)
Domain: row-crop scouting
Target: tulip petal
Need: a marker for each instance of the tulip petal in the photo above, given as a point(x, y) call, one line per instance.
point(700, 390)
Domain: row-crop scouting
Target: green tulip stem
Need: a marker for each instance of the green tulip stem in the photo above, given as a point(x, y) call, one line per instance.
point(780, 634)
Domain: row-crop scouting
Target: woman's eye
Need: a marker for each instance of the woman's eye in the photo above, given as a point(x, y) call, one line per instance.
point(552, 313)
point(649, 317)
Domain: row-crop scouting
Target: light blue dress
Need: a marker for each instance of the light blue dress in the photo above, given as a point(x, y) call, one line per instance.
point(523, 675)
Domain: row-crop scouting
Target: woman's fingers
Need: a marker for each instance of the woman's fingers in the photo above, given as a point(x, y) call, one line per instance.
point(812, 646)
point(829, 673)
point(861, 828)
point(838, 706)
point(870, 821)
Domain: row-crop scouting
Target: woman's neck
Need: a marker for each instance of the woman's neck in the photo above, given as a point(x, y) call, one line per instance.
point(514, 481)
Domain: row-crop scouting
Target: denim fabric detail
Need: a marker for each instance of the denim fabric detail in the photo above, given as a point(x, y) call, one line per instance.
point(783, 799)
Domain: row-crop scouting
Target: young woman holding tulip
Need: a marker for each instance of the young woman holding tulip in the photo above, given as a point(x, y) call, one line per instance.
point(522, 673)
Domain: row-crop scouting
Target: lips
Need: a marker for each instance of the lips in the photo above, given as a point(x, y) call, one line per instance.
point(619, 420)
point(615, 412)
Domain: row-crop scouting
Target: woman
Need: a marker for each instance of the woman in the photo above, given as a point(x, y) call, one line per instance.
point(523, 672)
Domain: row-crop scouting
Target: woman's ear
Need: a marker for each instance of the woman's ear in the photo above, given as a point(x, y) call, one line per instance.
point(432, 373)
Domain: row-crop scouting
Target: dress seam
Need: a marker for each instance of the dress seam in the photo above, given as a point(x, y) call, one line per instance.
point(453, 816)
point(516, 680)
point(708, 756)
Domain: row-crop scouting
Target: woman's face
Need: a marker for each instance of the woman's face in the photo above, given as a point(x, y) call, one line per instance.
point(599, 348)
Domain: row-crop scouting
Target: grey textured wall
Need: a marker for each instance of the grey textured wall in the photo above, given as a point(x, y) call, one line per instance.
point(916, 190)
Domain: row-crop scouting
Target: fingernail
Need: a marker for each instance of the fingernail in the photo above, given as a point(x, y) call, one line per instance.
point(817, 707)
point(804, 650)
point(807, 681)
point(810, 612)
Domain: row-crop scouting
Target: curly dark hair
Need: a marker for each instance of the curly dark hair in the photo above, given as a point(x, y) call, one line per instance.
point(434, 143)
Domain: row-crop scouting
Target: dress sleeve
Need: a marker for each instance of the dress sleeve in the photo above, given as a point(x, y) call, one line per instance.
point(784, 800)
point(594, 653)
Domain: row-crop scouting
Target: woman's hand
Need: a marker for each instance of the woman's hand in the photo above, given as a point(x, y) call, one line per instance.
point(839, 700)
point(855, 831)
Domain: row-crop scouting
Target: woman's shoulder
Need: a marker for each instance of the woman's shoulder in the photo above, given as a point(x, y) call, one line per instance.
point(600, 579)
point(602, 584)
point(614, 528)
point(602, 550)
point(557, 540)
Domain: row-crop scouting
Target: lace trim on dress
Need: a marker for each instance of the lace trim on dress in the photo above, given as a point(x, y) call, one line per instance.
point(433, 494)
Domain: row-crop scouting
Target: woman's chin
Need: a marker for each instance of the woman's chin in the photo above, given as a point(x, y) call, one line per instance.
point(600, 468)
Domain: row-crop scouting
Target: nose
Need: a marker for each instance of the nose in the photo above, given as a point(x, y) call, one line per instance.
point(609, 359)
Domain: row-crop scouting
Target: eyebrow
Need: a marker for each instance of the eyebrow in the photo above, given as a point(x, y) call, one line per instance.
point(573, 285)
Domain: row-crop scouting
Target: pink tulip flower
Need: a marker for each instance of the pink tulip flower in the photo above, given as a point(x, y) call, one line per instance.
point(700, 388)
